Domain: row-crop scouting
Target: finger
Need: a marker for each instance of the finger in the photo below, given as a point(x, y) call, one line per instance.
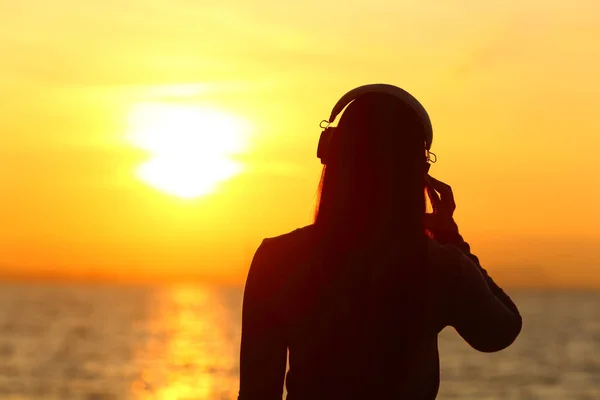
point(434, 198)
point(446, 194)
point(436, 187)
point(437, 183)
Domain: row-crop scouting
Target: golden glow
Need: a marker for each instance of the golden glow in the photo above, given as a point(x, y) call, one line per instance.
point(512, 89)
point(193, 348)
point(191, 146)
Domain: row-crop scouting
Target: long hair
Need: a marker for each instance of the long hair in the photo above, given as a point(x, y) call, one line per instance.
point(374, 181)
point(369, 218)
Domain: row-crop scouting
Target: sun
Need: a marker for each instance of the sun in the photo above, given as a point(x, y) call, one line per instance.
point(191, 146)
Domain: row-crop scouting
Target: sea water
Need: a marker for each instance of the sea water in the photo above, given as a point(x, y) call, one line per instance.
point(182, 342)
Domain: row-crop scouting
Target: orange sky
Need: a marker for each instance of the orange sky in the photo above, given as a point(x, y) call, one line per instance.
point(512, 89)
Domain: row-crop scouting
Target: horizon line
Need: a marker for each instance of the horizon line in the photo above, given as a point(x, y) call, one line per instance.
point(197, 280)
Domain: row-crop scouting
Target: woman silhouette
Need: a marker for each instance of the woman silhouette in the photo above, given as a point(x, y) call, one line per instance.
point(359, 297)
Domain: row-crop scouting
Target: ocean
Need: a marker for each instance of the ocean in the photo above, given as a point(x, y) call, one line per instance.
point(93, 342)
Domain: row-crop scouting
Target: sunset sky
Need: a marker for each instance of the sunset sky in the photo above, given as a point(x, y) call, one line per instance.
point(117, 119)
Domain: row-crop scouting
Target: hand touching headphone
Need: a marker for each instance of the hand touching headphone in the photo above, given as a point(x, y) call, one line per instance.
point(441, 221)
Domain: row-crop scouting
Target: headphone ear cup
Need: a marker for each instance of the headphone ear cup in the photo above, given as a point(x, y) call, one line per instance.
point(324, 141)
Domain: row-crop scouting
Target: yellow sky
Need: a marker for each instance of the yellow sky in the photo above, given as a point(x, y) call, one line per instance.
point(512, 88)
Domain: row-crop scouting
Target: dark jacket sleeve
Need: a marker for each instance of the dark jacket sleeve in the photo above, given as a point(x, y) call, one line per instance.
point(263, 353)
point(485, 316)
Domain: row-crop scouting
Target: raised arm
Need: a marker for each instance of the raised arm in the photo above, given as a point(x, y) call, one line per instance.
point(484, 315)
point(454, 238)
point(479, 315)
point(263, 353)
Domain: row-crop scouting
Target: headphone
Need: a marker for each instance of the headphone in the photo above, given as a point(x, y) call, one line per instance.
point(401, 94)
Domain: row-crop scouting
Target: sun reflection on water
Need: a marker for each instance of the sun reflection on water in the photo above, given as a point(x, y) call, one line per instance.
point(192, 348)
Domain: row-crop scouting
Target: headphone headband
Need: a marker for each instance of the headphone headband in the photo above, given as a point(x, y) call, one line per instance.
point(395, 91)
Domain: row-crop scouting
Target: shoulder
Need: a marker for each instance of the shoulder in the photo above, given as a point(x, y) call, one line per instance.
point(283, 249)
point(292, 236)
point(289, 243)
point(276, 261)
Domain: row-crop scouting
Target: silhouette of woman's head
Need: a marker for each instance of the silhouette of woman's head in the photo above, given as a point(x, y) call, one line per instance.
point(374, 177)
point(369, 221)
